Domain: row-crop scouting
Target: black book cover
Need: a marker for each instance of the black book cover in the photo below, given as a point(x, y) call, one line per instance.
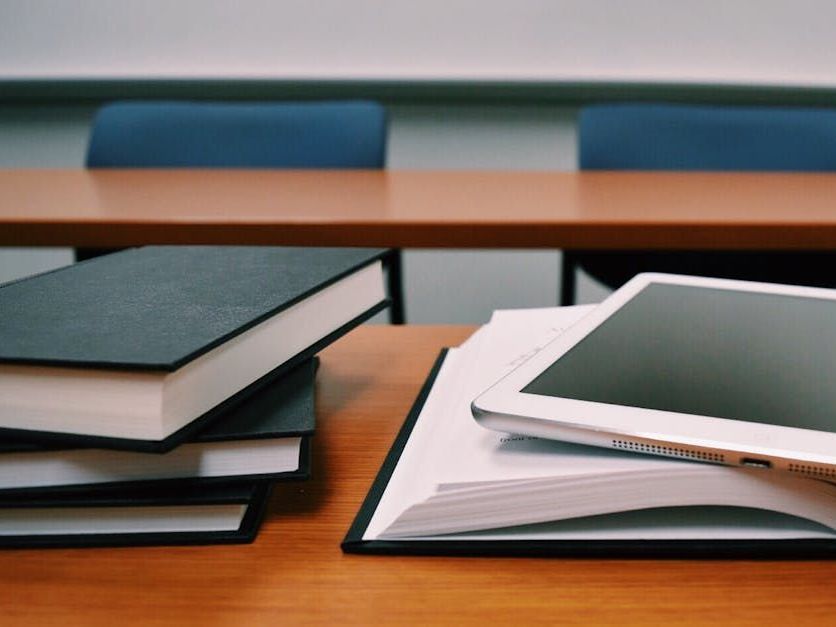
point(196, 426)
point(284, 408)
point(254, 494)
point(160, 307)
point(656, 549)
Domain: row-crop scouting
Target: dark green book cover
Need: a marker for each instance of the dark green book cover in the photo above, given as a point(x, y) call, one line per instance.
point(158, 308)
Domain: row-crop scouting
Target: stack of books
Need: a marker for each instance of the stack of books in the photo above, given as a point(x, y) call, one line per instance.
point(450, 486)
point(153, 395)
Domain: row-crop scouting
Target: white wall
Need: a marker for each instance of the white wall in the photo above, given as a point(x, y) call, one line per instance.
point(727, 41)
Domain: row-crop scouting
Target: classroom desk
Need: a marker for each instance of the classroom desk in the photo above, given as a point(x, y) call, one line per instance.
point(295, 573)
point(449, 209)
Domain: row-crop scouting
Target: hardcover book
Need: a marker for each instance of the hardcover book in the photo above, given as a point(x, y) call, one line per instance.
point(265, 436)
point(222, 514)
point(450, 486)
point(143, 347)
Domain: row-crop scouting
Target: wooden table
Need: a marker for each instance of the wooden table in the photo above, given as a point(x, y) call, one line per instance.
point(418, 209)
point(295, 572)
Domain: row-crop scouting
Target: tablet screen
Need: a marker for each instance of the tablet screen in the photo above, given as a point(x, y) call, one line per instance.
point(768, 358)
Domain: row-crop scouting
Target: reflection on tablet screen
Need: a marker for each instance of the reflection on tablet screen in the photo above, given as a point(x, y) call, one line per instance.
point(750, 356)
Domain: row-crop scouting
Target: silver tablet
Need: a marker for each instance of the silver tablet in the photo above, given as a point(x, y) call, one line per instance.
point(722, 371)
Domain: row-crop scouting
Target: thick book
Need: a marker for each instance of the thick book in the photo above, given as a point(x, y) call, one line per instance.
point(222, 514)
point(449, 486)
point(140, 348)
point(265, 436)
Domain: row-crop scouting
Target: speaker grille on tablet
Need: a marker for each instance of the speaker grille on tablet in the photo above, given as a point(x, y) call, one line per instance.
point(669, 451)
point(820, 472)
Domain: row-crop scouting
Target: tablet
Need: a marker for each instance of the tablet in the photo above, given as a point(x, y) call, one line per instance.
point(732, 372)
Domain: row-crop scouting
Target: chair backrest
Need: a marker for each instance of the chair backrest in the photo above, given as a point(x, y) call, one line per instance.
point(686, 137)
point(350, 134)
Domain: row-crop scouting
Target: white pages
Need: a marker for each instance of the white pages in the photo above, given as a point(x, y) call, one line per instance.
point(456, 480)
point(92, 521)
point(89, 466)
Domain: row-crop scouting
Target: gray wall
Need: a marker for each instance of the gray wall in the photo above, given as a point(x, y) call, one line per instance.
point(763, 42)
point(441, 286)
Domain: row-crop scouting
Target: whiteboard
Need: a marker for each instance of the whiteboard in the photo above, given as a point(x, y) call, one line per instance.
point(737, 42)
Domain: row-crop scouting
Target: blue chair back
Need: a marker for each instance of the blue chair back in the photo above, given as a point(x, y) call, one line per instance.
point(350, 134)
point(694, 137)
point(707, 138)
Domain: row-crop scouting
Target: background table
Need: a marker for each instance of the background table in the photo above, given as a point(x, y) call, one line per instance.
point(450, 209)
point(296, 573)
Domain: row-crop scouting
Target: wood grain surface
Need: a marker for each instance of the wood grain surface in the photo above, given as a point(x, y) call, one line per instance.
point(458, 209)
point(295, 573)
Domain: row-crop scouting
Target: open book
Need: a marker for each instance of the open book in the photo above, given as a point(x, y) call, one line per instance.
point(456, 482)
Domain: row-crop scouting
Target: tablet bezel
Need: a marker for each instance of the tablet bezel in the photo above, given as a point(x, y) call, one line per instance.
point(505, 407)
